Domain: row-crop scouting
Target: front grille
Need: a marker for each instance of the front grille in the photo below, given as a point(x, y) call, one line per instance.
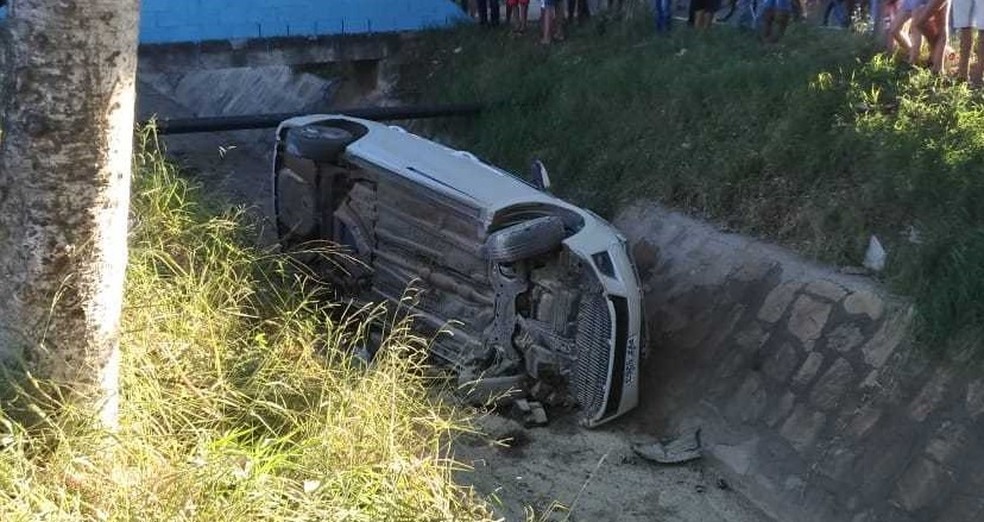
point(594, 331)
point(621, 306)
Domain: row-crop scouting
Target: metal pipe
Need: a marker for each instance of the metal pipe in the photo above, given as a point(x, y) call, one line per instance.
point(265, 121)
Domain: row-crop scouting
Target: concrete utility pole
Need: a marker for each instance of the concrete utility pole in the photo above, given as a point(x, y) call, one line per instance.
point(65, 160)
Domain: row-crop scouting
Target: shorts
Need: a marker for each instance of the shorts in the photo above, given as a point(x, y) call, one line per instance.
point(706, 5)
point(785, 6)
point(909, 6)
point(967, 14)
point(514, 3)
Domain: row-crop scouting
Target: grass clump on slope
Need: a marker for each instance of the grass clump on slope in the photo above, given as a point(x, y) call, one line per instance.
point(240, 401)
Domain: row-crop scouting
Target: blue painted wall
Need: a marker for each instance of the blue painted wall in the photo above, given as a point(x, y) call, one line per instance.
point(171, 21)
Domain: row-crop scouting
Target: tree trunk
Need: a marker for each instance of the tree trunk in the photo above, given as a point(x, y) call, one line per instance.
point(64, 191)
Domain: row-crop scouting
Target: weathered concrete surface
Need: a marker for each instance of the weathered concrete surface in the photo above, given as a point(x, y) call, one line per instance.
point(803, 379)
point(260, 52)
point(237, 91)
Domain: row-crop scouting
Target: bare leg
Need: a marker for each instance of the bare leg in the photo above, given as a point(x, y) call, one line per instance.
point(932, 22)
point(898, 42)
point(767, 19)
point(782, 20)
point(939, 44)
point(700, 20)
point(915, 41)
point(977, 71)
point(558, 29)
point(549, 13)
point(963, 62)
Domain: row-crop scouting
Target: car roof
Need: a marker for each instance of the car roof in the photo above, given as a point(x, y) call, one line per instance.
point(457, 173)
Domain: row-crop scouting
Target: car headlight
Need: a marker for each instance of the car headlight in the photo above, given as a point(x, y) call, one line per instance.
point(603, 262)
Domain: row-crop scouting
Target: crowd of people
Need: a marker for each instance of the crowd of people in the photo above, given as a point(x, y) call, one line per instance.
point(912, 25)
point(918, 22)
point(552, 15)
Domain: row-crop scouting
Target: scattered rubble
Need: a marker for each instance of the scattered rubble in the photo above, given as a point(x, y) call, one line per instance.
point(682, 449)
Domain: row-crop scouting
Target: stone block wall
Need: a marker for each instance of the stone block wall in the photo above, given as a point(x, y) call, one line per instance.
point(803, 380)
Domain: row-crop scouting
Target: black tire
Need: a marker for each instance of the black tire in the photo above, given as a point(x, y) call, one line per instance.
point(317, 142)
point(525, 240)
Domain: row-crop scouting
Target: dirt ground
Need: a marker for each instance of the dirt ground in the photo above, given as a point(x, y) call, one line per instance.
point(565, 472)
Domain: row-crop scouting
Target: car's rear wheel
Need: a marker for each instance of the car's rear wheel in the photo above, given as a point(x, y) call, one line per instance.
point(317, 142)
point(524, 240)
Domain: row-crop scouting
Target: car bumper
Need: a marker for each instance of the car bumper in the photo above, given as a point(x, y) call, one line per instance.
point(622, 294)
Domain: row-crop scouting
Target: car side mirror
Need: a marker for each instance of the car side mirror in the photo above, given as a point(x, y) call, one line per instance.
point(538, 175)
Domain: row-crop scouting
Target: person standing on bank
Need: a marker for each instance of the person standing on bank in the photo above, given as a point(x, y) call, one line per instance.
point(517, 13)
point(488, 12)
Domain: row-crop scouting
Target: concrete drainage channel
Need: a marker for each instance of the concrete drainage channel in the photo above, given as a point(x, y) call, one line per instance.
point(810, 397)
point(809, 401)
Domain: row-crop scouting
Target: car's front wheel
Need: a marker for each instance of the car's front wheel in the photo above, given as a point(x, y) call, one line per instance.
point(317, 142)
point(524, 240)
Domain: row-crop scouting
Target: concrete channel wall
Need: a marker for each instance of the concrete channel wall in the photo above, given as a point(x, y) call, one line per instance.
point(806, 386)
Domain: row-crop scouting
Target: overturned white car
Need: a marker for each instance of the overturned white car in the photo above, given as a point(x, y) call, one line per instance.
point(536, 288)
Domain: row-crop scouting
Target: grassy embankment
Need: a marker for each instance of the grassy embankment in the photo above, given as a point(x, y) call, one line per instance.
point(239, 399)
point(816, 143)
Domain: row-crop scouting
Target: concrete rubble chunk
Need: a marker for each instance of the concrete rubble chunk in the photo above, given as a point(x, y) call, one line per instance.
point(922, 483)
point(845, 338)
point(802, 427)
point(875, 256)
point(828, 391)
point(808, 318)
point(685, 448)
point(537, 415)
point(777, 301)
point(931, 395)
point(893, 330)
point(827, 290)
point(864, 302)
point(808, 370)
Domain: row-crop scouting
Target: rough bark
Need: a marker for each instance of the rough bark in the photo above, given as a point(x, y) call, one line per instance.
point(64, 191)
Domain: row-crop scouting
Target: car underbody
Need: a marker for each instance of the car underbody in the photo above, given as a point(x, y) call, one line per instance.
point(501, 308)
